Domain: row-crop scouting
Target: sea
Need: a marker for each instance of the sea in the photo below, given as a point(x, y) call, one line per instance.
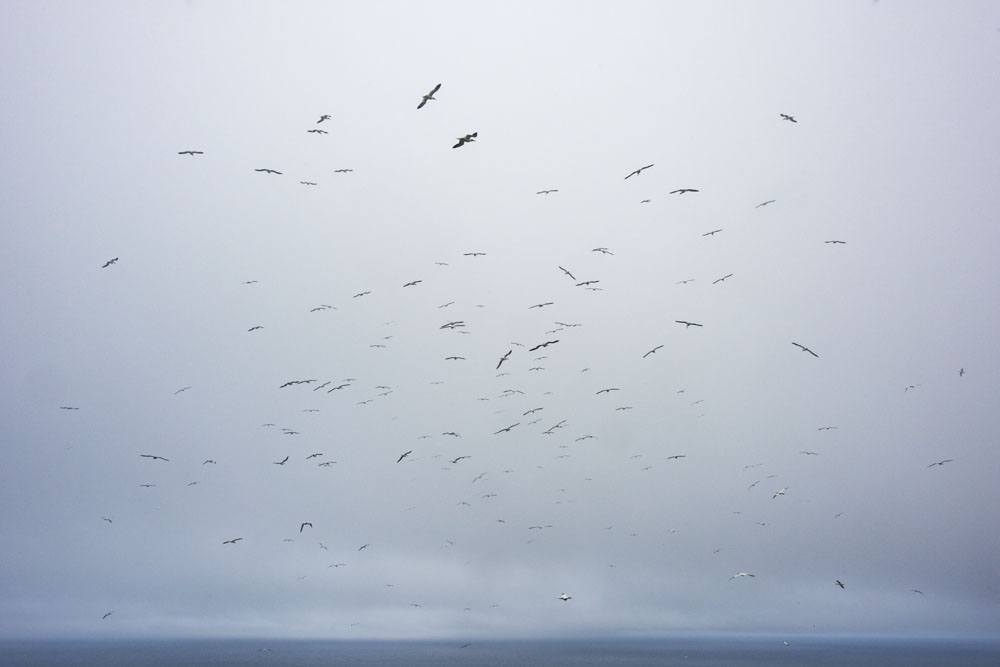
point(700, 652)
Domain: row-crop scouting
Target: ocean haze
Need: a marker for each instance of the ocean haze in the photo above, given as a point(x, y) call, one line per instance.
point(893, 152)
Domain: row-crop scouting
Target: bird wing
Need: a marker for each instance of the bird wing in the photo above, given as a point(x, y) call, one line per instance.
point(435, 89)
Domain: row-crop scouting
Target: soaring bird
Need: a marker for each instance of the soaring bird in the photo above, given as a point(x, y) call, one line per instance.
point(360, 294)
point(779, 492)
point(454, 358)
point(342, 171)
point(785, 116)
point(836, 242)
point(840, 583)
point(269, 171)
point(314, 456)
point(413, 283)
point(304, 524)
point(688, 324)
point(109, 262)
point(541, 345)
point(676, 457)
point(653, 351)
point(507, 429)
point(404, 455)
point(473, 254)
point(681, 191)
point(961, 371)
point(504, 358)
point(469, 138)
point(154, 457)
point(233, 541)
point(827, 428)
point(940, 463)
point(572, 277)
point(684, 282)
point(459, 458)
point(608, 390)
point(68, 407)
point(602, 250)
point(742, 574)
point(428, 97)
point(545, 192)
point(281, 462)
point(254, 328)
point(325, 116)
point(637, 171)
point(584, 283)
point(541, 305)
point(107, 614)
point(712, 233)
point(190, 152)
point(108, 519)
point(363, 547)
point(565, 597)
point(765, 203)
point(316, 131)
point(308, 183)
point(805, 349)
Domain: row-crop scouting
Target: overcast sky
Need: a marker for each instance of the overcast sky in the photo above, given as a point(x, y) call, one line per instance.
point(894, 152)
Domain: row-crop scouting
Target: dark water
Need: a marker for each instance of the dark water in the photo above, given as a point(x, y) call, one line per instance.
point(669, 652)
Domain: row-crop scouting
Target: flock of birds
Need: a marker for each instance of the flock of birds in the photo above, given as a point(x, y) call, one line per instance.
point(529, 417)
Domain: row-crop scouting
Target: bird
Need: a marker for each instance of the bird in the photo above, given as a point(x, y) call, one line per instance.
point(603, 251)
point(107, 614)
point(572, 277)
point(541, 305)
point(765, 203)
point(360, 294)
point(504, 358)
point(109, 262)
point(404, 455)
point(940, 463)
point(325, 116)
point(808, 453)
point(805, 349)
point(308, 183)
point(459, 458)
point(565, 597)
point(254, 328)
point(68, 407)
point(281, 462)
point(688, 324)
point(676, 457)
point(317, 131)
point(342, 171)
point(545, 192)
point(295, 382)
point(722, 279)
point(412, 283)
point(681, 191)
point(684, 282)
point(452, 434)
point(742, 574)
point(839, 583)
point(428, 97)
point(712, 233)
point(827, 428)
point(190, 152)
point(154, 457)
point(454, 358)
point(232, 541)
point(587, 282)
point(637, 171)
point(645, 201)
point(313, 456)
point(607, 390)
point(304, 524)
point(916, 590)
point(785, 116)
point(363, 547)
point(108, 519)
point(507, 429)
point(469, 138)
point(840, 242)
point(269, 171)
point(779, 492)
point(961, 372)
point(541, 345)
point(653, 351)
point(473, 254)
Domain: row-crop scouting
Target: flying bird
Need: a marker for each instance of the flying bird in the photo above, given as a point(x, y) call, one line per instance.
point(454, 358)
point(940, 463)
point(313, 456)
point(107, 614)
point(473, 254)
point(190, 152)
point(608, 390)
point(805, 349)
point(545, 192)
point(637, 171)
point(412, 283)
point(565, 597)
point(342, 171)
point(676, 457)
point(681, 191)
point(459, 458)
point(254, 328)
point(542, 305)
point(507, 429)
point(154, 457)
point(742, 574)
point(308, 183)
point(360, 294)
point(712, 233)
point(281, 462)
point(304, 524)
point(785, 116)
point(541, 345)
point(688, 324)
point(961, 372)
point(765, 203)
point(404, 455)
point(68, 407)
point(779, 492)
point(104, 518)
point(653, 351)
point(840, 583)
point(504, 358)
point(269, 171)
point(469, 138)
point(316, 131)
point(602, 250)
point(233, 541)
point(428, 97)
point(840, 242)
point(587, 282)
point(325, 116)
point(109, 262)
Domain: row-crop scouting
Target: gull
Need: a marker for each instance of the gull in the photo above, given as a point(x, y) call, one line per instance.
point(504, 358)
point(623, 408)
point(326, 464)
point(753, 484)
point(637, 171)
point(294, 382)
point(104, 518)
point(541, 345)
point(712, 233)
point(805, 349)
point(473, 254)
point(363, 547)
point(676, 457)
point(232, 541)
point(785, 116)
point(325, 116)
point(961, 372)
point(587, 282)
point(779, 492)
point(808, 453)
point(469, 138)
point(304, 524)
point(313, 456)
point(742, 574)
point(190, 152)
point(281, 462)
point(840, 242)
point(507, 429)
point(404, 455)
point(839, 583)
point(827, 428)
point(268, 171)
point(454, 358)
point(541, 305)
point(445, 305)
point(653, 351)
point(603, 251)
point(459, 458)
point(545, 192)
point(360, 294)
point(154, 457)
point(940, 463)
point(531, 411)
point(452, 434)
point(681, 191)
point(339, 386)
point(308, 183)
point(254, 328)
point(428, 97)
point(315, 131)
point(916, 590)
point(684, 282)
point(336, 565)
point(909, 387)
point(565, 597)
point(342, 171)
point(478, 477)
point(412, 283)
point(107, 614)
point(688, 324)
point(645, 201)
point(249, 282)
point(607, 390)
point(765, 203)
point(109, 262)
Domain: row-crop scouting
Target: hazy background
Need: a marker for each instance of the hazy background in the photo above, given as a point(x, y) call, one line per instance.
point(895, 152)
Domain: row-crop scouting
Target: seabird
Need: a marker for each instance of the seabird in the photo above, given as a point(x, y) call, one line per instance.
point(404, 455)
point(254, 328)
point(469, 138)
point(722, 279)
point(232, 541)
point(304, 524)
point(840, 242)
point(688, 324)
point(545, 192)
point(602, 250)
point(542, 305)
point(109, 262)
point(765, 203)
point(316, 131)
point(566, 597)
point(428, 97)
point(107, 614)
point(281, 462)
point(567, 273)
point(342, 171)
point(653, 351)
point(779, 492)
point(638, 171)
point(840, 583)
point(459, 458)
point(805, 349)
point(785, 116)
point(507, 428)
point(325, 116)
point(607, 390)
point(541, 345)
point(712, 233)
point(940, 463)
point(269, 171)
point(681, 191)
point(154, 457)
point(504, 358)
point(742, 574)
point(190, 152)
point(412, 283)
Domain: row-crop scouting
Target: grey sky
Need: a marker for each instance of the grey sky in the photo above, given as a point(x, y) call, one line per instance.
point(894, 152)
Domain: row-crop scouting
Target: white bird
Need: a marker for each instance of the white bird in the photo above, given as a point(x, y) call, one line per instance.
point(779, 492)
point(565, 597)
point(742, 574)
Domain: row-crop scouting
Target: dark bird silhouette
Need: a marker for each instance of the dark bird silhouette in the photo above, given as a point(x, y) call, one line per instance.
point(653, 351)
point(637, 171)
point(107, 614)
point(587, 282)
point(961, 372)
point(827, 428)
point(363, 547)
point(836, 242)
point(294, 382)
point(645, 201)
point(840, 583)
point(469, 138)
point(940, 463)
point(805, 349)
point(688, 324)
point(339, 386)
point(404, 455)
point(722, 279)
point(304, 524)
point(541, 345)
point(314, 456)
point(109, 262)
point(308, 183)
point(785, 116)
point(360, 294)
point(681, 191)
point(281, 462)
point(254, 328)
point(504, 358)
point(607, 390)
point(454, 358)
point(545, 192)
point(316, 131)
point(325, 116)
point(104, 518)
point(233, 541)
point(412, 283)
point(473, 254)
point(684, 282)
point(428, 97)
point(146, 486)
point(531, 411)
point(712, 233)
point(269, 171)
point(207, 461)
point(452, 434)
point(603, 251)
point(190, 152)
point(507, 429)
point(765, 203)
point(154, 457)
point(567, 273)
point(541, 305)
point(342, 171)
point(68, 407)
point(676, 457)
point(459, 458)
